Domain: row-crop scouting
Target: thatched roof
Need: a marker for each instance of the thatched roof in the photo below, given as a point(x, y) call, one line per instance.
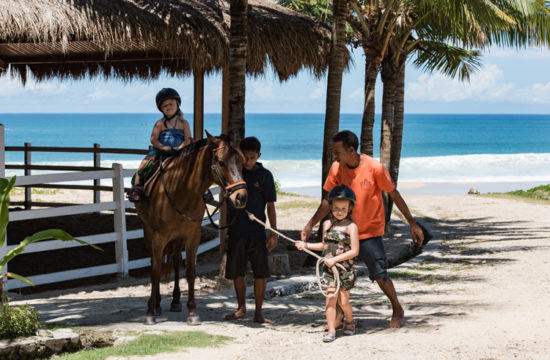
point(142, 38)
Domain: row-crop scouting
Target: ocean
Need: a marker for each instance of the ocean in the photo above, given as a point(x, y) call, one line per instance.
point(437, 148)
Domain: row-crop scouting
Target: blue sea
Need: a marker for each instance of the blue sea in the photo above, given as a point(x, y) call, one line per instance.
point(445, 148)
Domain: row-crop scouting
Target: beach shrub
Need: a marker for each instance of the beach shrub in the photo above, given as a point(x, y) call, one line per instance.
point(540, 192)
point(22, 320)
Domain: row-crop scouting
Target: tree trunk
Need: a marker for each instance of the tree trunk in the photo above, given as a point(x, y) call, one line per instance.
point(238, 44)
point(386, 133)
point(334, 82)
point(398, 119)
point(372, 67)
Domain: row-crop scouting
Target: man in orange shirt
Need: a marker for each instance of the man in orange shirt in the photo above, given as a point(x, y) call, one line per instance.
point(367, 178)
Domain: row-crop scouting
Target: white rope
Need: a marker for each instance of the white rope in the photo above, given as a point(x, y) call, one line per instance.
point(319, 258)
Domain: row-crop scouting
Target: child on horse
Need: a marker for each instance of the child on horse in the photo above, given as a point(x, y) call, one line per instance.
point(171, 133)
point(340, 245)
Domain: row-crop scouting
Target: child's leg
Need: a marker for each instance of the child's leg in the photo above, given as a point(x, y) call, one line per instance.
point(330, 310)
point(141, 166)
point(343, 301)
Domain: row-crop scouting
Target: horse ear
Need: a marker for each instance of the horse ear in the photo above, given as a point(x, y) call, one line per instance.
point(208, 135)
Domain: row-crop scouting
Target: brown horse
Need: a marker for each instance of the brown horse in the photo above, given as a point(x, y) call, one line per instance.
point(172, 214)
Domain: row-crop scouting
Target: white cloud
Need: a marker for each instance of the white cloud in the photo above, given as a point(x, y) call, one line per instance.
point(536, 93)
point(260, 91)
point(488, 84)
point(100, 94)
point(357, 94)
point(319, 91)
point(11, 87)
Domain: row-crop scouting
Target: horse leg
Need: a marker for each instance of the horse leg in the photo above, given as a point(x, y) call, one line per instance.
point(193, 317)
point(153, 305)
point(176, 294)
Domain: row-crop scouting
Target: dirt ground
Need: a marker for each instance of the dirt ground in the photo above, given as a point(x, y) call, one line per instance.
point(483, 293)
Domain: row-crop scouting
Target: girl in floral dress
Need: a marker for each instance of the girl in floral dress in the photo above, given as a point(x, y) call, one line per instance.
point(340, 245)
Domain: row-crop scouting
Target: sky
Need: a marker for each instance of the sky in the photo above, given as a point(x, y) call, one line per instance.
point(509, 81)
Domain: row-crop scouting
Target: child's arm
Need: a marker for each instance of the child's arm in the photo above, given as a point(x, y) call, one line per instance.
point(187, 133)
point(318, 246)
point(354, 247)
point(155, 137)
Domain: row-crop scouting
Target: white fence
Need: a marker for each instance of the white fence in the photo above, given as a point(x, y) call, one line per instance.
point(120, 236)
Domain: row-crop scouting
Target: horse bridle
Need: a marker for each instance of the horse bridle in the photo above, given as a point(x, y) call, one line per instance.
point(227, 189)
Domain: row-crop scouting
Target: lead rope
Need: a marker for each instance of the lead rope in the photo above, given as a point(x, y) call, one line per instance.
point(319, 258)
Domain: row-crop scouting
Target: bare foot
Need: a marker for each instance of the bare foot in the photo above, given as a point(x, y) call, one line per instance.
point(260, 319)
point(239, 314)
point(396, 319)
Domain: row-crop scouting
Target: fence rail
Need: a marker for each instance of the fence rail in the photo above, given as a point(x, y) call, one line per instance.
point(119, 206)
point(96, 151)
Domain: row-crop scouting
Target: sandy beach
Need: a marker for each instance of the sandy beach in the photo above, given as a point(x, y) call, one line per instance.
point(480, 292)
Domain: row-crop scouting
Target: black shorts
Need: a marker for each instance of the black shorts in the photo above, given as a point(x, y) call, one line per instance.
point(372, 252)
point(241, 250)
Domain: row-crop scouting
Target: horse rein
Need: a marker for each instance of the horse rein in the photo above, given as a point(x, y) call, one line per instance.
point(228, 190)
point(320, 259)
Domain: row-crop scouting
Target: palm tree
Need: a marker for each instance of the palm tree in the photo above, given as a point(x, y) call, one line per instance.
point(237, 67)
point(336, 16)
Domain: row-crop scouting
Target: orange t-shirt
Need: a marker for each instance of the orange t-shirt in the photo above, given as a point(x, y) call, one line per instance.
point(367, 181)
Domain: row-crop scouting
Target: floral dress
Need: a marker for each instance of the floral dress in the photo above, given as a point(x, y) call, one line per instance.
point(338, 242)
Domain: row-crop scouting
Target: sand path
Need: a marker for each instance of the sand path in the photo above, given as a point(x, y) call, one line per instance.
point(485, 296)
point(484, 293)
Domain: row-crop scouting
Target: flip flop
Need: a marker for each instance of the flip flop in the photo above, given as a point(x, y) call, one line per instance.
point(329, 336)
point(349, 328)
point(235, 317)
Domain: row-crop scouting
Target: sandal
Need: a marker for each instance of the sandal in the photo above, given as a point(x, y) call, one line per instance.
point(329, 336)
point(135, 194)
point(349, 328)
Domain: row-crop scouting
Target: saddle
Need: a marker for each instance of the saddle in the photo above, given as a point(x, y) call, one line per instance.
point(150, 173)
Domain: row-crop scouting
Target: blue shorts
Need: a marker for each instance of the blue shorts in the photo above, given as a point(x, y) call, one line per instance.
point(372, 252)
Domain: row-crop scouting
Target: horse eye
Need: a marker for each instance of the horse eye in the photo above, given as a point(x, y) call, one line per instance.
point(221, 163)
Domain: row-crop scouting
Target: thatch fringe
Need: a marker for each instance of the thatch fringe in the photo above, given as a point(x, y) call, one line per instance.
point(144, 38)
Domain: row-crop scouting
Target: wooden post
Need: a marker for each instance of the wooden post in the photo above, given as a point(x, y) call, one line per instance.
point(121, 248)
point(97, 165)
point(198, 106)
point(28, 189)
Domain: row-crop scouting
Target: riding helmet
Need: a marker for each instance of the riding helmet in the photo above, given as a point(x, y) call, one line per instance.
point(165, 94)
point(341, 192)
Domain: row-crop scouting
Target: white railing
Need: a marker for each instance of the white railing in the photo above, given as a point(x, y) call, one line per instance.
point(120, 236)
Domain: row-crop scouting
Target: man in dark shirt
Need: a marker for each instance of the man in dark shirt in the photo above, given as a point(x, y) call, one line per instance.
point(246, 238)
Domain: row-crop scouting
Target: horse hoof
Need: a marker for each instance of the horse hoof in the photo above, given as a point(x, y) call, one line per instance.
point(150, 320)
point(193, 320)
point(175, 307)
point(158, 311)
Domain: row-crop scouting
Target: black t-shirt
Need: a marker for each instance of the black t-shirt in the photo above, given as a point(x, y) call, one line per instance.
point(261, 190)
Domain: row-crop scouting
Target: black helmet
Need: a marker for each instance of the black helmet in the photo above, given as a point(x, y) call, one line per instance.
point(165, 94)
point(341, 192)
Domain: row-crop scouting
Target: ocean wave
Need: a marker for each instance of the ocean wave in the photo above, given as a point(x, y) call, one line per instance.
point(454, 168)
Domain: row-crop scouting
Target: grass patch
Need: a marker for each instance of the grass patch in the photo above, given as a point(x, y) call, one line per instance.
point(148, 344)
point(539, 193)
point(20, 190)
point(287, 205)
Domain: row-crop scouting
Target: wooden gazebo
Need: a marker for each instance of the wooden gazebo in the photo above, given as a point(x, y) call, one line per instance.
point(132, 39)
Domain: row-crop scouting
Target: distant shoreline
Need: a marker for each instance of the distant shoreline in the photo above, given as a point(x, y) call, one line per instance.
point(438, 188)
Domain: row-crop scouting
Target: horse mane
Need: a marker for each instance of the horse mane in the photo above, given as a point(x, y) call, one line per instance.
point(192, 148)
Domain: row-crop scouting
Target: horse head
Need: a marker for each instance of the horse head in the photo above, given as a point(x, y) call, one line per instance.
point(227, 168)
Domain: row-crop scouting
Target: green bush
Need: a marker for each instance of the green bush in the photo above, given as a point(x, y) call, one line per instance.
point(16, 321)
